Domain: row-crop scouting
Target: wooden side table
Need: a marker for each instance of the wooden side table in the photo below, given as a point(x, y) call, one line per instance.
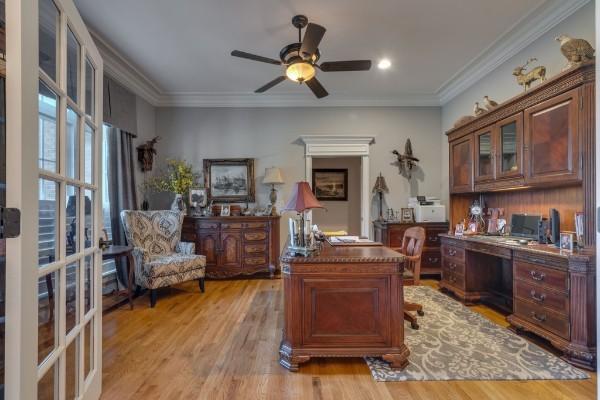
point(114, 252)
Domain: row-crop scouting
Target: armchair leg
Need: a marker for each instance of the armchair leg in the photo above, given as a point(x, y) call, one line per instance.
point(201, 284)
point(152, 298)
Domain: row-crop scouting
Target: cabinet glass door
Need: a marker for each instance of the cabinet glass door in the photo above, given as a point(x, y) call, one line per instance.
point(484, 147)
point(509, 146)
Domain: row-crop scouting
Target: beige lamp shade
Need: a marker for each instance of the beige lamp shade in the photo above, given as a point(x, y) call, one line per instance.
point(272, 176)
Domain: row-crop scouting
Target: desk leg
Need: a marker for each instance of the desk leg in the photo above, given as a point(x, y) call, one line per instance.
point(130, 268)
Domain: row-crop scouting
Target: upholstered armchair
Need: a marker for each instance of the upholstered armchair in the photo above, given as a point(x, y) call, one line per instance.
point(160, 258)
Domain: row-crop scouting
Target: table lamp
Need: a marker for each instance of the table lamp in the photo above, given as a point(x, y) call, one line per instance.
point(380, 188)
point(273, 177)
point(301, 200)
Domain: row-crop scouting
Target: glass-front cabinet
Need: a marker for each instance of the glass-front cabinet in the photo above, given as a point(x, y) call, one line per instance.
point(509, 134)
point(484, 154)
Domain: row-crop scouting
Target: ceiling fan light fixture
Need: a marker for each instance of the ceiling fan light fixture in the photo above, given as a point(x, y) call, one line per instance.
point(300, 72)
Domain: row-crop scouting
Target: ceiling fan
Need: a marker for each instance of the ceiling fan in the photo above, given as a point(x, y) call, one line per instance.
point(300, 59)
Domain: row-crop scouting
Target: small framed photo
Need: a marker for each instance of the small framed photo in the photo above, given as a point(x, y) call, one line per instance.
point(407, 215)
point(472, 228)
point(225, 210)
point(198, 197)
point(566, 241)
point(459, 230)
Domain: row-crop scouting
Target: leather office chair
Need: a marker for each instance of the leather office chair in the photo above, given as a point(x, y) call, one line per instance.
point(412, 247)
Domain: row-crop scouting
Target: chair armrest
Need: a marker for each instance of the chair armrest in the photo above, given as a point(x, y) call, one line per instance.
point(186, 248)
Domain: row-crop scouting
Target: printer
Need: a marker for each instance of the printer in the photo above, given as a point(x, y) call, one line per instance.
point(427, 209)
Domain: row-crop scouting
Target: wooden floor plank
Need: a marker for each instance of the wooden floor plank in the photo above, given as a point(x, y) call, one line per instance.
point(223, 345)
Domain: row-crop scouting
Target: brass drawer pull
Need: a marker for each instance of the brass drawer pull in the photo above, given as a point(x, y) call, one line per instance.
point(433, 238)
point(433, 259)
point(452, 266)
point(540, 298)
point(538, 318)
point(452, 252)
point(538, 276)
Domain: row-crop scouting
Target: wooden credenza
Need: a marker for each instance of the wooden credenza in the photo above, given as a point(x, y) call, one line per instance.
point(550, 293)
point(390, 234)
point(345, 301)
point(235, 246)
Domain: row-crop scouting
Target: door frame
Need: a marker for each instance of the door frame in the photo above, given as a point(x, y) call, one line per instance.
point(344, 146)
point(22, 272)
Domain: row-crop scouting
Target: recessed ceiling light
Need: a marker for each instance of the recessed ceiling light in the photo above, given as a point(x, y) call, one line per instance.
point(384, 63)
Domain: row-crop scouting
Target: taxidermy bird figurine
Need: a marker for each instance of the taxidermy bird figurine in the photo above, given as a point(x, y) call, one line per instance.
point(576, 51)
point(477, 111)
point(406, 161)
point(489, 103)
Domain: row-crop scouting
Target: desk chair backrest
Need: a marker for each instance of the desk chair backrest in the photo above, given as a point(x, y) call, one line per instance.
point(412, 247)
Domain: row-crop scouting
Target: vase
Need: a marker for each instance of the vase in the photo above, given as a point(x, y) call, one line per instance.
point(178, 204)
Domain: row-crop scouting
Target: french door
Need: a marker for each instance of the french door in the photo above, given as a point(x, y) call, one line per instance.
point(54, 129)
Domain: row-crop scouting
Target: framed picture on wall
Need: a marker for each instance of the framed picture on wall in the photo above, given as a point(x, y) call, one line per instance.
point(330, 184)
point(230, 180)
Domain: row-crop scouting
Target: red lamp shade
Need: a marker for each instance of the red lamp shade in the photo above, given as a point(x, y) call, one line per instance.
point(302, 198)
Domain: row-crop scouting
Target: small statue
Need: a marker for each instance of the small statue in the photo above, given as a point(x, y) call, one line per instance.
point(146, 153)
point(576, 51)
point(489, 103)
point(477, 111)
point(525, 79)
point(406, 161)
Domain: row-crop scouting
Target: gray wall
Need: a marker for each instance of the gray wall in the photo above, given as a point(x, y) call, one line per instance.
point(501, 85)
point(270, 135)
point(341, 215)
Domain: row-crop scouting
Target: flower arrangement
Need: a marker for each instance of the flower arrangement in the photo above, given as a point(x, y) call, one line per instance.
point(178, 177)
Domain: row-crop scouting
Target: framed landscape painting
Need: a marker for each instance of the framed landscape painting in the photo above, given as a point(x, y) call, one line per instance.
point(230, 180)
point(330, 184)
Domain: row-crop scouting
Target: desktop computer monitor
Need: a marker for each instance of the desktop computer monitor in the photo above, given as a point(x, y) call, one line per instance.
point(525, 226)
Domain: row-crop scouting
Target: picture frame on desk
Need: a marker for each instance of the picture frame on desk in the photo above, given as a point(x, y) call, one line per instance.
point(566, 241)
point(459, 230)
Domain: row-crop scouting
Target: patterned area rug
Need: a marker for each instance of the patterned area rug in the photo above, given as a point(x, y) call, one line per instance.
point(455, 343)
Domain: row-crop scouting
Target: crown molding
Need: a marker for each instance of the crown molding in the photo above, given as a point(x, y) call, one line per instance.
point(189, 99)
point(125, 73)
point(524, 32)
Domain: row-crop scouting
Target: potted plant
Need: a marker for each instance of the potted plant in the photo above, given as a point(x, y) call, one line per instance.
point(178, 177)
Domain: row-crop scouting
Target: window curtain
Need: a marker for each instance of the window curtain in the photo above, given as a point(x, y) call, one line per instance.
point(121, 187)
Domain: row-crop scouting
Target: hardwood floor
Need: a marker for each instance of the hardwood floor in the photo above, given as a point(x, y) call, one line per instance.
point(223, 345)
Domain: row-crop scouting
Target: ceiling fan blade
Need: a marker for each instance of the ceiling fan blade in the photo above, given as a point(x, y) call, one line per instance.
point(316, 88)
point(355, 65)
point(312, 37)
point(269, 85)
point(254, 57)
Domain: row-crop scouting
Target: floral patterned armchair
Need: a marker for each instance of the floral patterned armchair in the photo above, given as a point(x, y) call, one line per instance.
point(160, 258)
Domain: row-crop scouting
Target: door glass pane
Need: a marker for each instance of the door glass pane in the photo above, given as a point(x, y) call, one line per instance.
point(49, 22)
point(72, 144)
point(48, 132)
point(90, 89)
point(485, 154)
point(88, 151)
point(89, 283)
point(88, 349)
point(71, 370)
point(47, 315)
point(2, 204)
point(88, 220)
point(47, 222)
point(72, 66)
point(47, 390)
point(508, 136)
point(72, 293)
point(72, 216)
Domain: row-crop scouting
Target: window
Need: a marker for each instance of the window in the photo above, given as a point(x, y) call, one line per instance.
point(109, 269)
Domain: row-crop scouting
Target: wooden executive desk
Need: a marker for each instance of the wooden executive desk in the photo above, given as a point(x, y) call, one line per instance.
point(346, 301)
point(546, 291)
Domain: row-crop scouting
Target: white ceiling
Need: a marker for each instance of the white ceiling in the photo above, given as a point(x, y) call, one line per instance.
point(183, 46)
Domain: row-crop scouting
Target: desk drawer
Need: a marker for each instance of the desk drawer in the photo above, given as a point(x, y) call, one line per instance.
point(451, 265)
point(540, 275)
point(431, 237)
point(538, 294)
point(255, 248)
point(542, 317)
point(252, 236)
point(453, 279)
point(453, 251)
point(431, 259)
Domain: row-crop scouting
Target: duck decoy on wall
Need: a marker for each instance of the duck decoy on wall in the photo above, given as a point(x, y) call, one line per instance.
point(406, 161)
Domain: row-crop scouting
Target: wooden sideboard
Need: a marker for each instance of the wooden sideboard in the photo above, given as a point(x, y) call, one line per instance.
point(548, 292)
point(390, 234)
point(235, 246)
point(345, 301)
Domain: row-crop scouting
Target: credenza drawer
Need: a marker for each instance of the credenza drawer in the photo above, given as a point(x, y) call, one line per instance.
point(453, 279)
point(231, 225)
point(255, 248)
point(431, 259)
point(208, 225)
point(255, 225)
point(451, 265)
point(534, 273)
point(453, 251)
point(543, 318)
point(255, 236)
point(538, 294)
point(258, 260)
point(431, 237)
